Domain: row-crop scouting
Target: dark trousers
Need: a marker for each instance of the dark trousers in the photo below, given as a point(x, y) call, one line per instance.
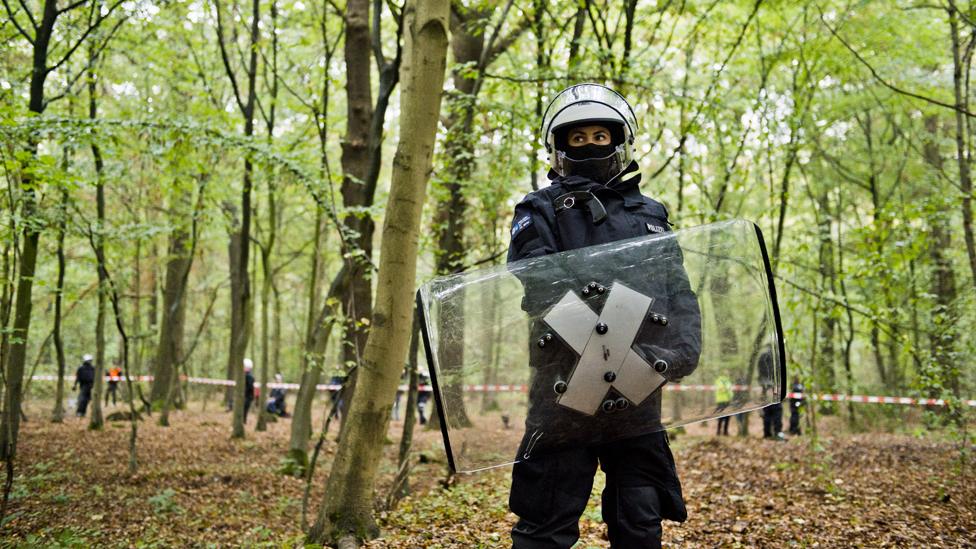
point(723, 425)
point(773, 420)
point(84, 397)
point(723, 422)
point(247, 406)
point(795, 419)
point(550, 492)
point(113, 386)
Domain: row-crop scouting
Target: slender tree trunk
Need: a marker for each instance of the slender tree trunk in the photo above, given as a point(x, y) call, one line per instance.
point(267, 271)
point(316, 339)
point(113, 295)
point(17, 358)
point(137, 310)
point(58, 415)
point(401, 484)
point(315, 335)
point(97, 421)
point(240, 293)
point(240, 240)
point(828, 277)
point(153, 285)
point(169, 351)
point(356, 190)
point(347, 510)
point(361, 161)
point(963, 159)
point(942, 372)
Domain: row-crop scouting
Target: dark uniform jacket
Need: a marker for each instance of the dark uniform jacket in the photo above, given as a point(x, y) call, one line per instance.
point(538, 230)
point(248, 386)
point(85, 376)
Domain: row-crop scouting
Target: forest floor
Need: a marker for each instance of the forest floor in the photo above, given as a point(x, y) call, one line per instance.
point(196, 487)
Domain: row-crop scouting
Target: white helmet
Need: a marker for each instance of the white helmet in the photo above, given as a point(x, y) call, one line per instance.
point(594, 103)
point(248, 365)
point(87, 358)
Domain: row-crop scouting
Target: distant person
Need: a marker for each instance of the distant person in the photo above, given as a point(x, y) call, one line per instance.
point(423, 395)
point(276, 399)
point(404, 381)
point(772, 414)
point(114, 375)
point(740, 396)
point(248, 386)
point(85, 379)
point(337, 384)
point(795, 404)
point(723, 397)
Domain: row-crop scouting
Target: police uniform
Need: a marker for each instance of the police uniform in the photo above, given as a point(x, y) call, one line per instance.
point(550, 490)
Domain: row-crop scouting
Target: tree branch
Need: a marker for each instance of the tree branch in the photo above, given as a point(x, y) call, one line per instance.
point(91, 28)
point(884, 82)
point(226, 59)
point(490, 52)
point(13, 20)
point(30, 16)
point(70, 7)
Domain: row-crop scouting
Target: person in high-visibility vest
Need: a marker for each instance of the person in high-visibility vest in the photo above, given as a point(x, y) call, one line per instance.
point(114, 374)
point(723, 396)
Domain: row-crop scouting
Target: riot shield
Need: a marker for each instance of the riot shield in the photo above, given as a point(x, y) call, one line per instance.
point(597, 344)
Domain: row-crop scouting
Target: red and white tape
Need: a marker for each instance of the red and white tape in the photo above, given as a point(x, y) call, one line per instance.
point(909, 401)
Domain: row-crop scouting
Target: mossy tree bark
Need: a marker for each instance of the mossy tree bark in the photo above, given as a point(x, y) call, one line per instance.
point(347, 508)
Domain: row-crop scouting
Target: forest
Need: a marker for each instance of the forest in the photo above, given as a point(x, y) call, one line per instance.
point(200, 195)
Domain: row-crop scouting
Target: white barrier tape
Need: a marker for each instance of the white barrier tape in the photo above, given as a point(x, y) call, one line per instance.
point(523, 388)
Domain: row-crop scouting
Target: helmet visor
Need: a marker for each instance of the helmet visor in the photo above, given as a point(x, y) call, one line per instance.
point(602, 170)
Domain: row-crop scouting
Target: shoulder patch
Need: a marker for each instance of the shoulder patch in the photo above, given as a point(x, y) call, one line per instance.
point(656, 228)
point(520, 224)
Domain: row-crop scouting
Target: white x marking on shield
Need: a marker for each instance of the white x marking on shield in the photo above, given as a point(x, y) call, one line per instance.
point(575, 323)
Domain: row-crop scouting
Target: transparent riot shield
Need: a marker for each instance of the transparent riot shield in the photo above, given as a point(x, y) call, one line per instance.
point(602, 343)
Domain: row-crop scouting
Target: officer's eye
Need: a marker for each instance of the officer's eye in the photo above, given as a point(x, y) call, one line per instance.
point(599, 137)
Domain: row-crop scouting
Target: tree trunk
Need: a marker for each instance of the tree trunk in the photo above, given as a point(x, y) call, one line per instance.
point(942, 371)
point(361, 161)
point(17, 358)
point(960, 81)
point(316, 339)
point(357, 191)
point(179, 259)
point(240, 239)
point(267, 272)
point(137, 310)
point(467, 44)
point(828, 277)
point(347, 508)
point(401, 484)
point(58, 415)
point(97, 421)
point(240, 294)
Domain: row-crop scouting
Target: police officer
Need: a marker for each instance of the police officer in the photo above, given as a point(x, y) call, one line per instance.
point(773, 414)
point(796, 402)
point(85, 379)
point(594, 199)
point(248, 386)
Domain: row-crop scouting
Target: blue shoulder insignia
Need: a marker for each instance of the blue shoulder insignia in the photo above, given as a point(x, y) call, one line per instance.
point(521, 224)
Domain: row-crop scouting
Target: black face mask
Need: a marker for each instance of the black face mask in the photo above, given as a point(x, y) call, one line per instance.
point(592, 161)
point(589, 151)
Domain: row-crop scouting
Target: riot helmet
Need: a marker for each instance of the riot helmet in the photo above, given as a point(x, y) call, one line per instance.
point(584, 105)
